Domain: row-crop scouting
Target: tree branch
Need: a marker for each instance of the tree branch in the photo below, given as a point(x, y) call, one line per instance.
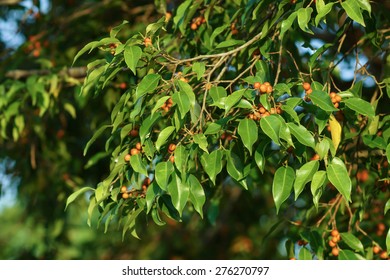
point(74, 72)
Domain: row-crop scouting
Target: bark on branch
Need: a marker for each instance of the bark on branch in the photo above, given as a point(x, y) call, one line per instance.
point(74, 72)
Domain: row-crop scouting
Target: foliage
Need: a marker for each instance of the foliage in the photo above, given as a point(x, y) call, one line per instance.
point(220, 101)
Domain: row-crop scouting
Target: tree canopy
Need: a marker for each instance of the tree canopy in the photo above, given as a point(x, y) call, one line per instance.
point(233, 129)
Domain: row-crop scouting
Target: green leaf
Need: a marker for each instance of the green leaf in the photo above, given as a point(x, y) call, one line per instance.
point(234, 166)
point(352, 241)
point(271, 126)
point(322, 10)
point(114, 31)
point(248, 131)
point(76, 194)
point(304, 16)
point(183, 102)
point(163, 172)
point(147, 125)
point(349, 255)
point(181, 157)
point(179, 192)
point(388, 241)
point(212, 164)
point(147, 85)
point(94, 137)
point(352, 9)
point(217, 93)
point(365, 5)
point(70, 109)
point(316, 186)
point(287, 23)
point(360, 106)
point(387, 206)
point(213, 128)
point(339, 177)
point(304, 175)
point(197, 195)
point(152, 193)
point(132, 55)
point(305, 254)
point(163, 136)
point(302, 134)
point(282, 185)
point(201, 140)
point(229, 43)
point(187, 89)
point(322, 100)
point(138, 165)
point(199, 68)
point(259, 155)
point(232, 100)
point(160, 103)
point(322, 148)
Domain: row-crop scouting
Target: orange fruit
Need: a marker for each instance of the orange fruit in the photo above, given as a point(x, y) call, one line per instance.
point(257, 85)
point(335, 251)
point(306, 86)
point(334, 233)
point(127, 157)
point(134, 151)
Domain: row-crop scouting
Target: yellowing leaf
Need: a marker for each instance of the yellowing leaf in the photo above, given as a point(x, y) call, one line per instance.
point(335, 130)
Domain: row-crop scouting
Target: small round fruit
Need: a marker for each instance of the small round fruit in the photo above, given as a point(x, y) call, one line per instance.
point(147, 42)
point(376, 249)
point(381, 226)
point(147, 181)
point(138, 146)
point(332, 244)
point(309, 91)
point(384, 255)
point(125, 195)
point(134, 133)
point(172, 147)
point(273, 111)
point(234, 32)
point(194, 26)
point(332, 95)
point(335, 251)
point(263, 88)
point(335, 239)
point(335, 233)
point(123, 189)
point(127, 157)
point(362, 175)
point(134, 151)
point(172, 159)
point(315, 157)
point(123, 85)
point(270, 89)
point(257, 85)
point(144, 188)
point(336, 105)
point(267, 84)
point(306, 86)
point(338, 98)
point(262, 110)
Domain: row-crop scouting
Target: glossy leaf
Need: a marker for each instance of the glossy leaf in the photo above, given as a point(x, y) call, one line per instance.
point(76, 194)
point(271, 126)
point(213, 128)
point(339, 177)
point(352, 9)
point(199, 68)
point(163, 136)
point(387, 206)
point(259, 155)
point(147, 124)
point(305, 254)
point(248, 131)
point(360, 106)
point(302, 134)
point(147, 85)
point(322, 100)
point(304, 175)
point(282, 185)
point(183, 102)
point(138, 165)
point(388, 241)
point(152, 193)
point(163, 172)
point(132, 55)
point(317, 182)
point(234, 166)
point(197, 195)
point(232, 100)
point(352, 241)
point(212, 164)
point(349, 255)
point(181, 157)
point(304, 16)
point(201, 140)
point(179, 192)
point(94, 137)
point(287, 23)
point(322, 10)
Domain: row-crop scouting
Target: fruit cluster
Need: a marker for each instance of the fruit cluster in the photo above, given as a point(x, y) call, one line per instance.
point(333, 240)
point(260, 112)
point(378, 251)
point(196, 22)
point(133, 193)
point(147, 42)
point(113, 47)
point(171, 149)
point(34, 46)
point(335, 98)
point(307, 88)
point(134, 151)
point(263, 88)
point(167, 105)
point(233, 28)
